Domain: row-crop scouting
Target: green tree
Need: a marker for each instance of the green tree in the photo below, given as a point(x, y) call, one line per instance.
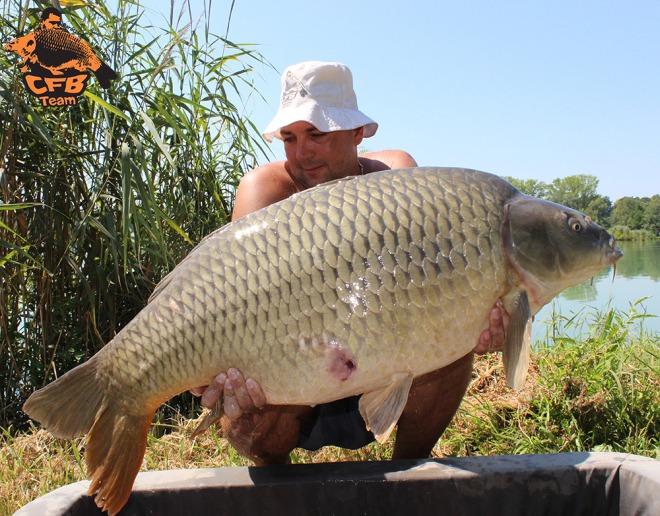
point(576, 192)
point(628, 212)
point(600, 210)
point(651, 217)
point(532, 187)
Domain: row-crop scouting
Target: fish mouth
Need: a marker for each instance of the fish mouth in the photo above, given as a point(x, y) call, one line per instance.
point(615, 253)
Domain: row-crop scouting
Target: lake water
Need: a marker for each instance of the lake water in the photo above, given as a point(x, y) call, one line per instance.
point(637, 277)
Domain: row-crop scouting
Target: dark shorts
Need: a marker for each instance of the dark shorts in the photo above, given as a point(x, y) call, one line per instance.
point(338, 423)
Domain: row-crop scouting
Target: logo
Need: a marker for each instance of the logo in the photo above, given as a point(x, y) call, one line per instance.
point(293, 87)
point(56, 64)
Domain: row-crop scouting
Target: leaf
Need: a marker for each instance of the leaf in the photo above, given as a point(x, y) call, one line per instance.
point(154, 132)
point(106, 105)
point(20, 206)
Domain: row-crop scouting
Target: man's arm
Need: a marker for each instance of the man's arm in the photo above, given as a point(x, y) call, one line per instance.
point(261, 187)
point(386, 160)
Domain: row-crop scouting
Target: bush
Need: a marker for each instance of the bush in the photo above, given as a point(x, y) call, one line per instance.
point(625, 233)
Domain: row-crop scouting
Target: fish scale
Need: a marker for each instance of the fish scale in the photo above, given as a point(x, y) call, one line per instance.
point(356, 286)
point(59, 40)
point(63, 48)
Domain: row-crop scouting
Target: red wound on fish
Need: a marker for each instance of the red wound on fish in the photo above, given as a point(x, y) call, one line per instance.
point(342, 364)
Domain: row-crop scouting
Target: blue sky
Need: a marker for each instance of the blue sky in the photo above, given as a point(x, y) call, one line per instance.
point(531, 89)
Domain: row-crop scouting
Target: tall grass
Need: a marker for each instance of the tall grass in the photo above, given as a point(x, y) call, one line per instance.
point(597, 392)
point(99, 200)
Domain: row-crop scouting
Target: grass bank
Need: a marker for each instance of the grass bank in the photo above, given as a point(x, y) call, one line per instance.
point(624, 233)
point(598, 394)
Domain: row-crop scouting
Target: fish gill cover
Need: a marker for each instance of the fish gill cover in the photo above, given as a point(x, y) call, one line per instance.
point(55, 63)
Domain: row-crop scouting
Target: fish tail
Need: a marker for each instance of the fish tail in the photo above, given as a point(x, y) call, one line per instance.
point(115, 449)
point(104, 74)
point(68, 406)
point(76, 404)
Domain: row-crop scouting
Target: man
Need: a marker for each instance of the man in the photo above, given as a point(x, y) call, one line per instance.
point(321, 127)
point(51, 18)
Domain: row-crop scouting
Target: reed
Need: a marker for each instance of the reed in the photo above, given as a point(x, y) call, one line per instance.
point(100, 200)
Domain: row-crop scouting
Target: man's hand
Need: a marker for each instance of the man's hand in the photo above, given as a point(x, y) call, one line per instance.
point(264, 433)
point(239, 395)
point(492, 338)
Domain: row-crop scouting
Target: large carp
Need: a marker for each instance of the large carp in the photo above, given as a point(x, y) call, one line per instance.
point(355, 286)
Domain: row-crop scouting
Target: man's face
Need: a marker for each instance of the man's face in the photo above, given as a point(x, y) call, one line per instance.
point(52, 22)
point(315, 157)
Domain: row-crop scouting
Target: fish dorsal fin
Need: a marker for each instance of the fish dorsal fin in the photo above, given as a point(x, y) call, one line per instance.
point(518, 342)
point(162, 284)
point(382, 408)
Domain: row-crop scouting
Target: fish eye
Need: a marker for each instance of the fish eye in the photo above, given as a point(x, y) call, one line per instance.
point(575, 224)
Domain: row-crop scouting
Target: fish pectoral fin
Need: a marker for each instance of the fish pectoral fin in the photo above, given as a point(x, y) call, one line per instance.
point(382, 408)
point(517, 344)
point(211, 417)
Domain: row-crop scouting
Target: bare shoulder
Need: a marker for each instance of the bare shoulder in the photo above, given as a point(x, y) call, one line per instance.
point(261, 187)
point(386, 160)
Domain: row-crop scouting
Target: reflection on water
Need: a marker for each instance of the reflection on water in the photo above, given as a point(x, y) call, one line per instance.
point(640, 260)
point(637, 277)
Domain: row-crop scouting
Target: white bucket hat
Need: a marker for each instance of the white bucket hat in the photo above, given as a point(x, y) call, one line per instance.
point(321, 94)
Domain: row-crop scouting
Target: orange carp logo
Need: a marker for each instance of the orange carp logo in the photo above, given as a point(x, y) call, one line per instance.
point(55, 63)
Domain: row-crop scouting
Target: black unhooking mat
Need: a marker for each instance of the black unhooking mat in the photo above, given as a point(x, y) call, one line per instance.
point(558, 484)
